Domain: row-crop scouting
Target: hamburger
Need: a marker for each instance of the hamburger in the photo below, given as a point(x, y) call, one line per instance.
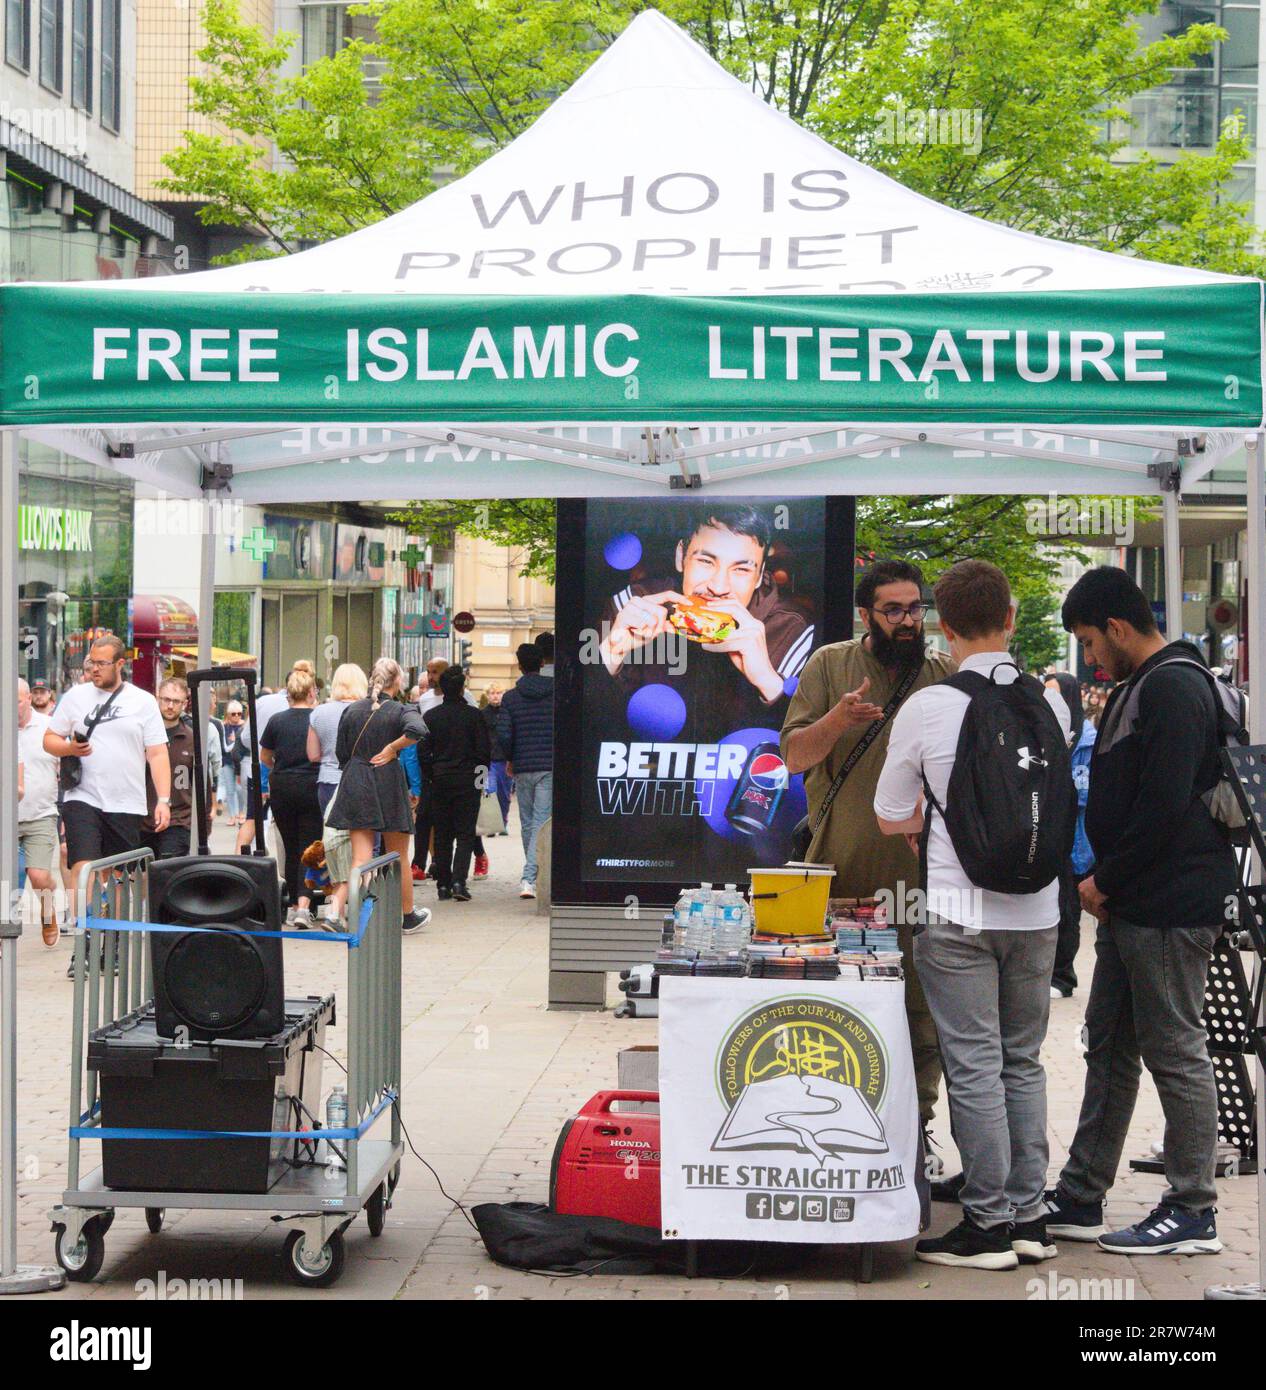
point(699, 623)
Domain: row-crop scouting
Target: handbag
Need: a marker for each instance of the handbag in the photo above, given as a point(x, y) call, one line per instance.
point(70, 770)
point(802, 835)
point(490, 821)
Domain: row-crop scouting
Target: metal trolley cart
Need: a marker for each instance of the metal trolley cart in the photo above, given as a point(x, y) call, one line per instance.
point(320, 1199)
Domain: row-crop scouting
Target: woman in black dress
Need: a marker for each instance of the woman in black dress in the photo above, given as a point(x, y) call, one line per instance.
point(373, 795)
point(292, 786)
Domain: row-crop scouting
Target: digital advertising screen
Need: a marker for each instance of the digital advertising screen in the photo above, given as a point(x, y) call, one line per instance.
point(684, 624)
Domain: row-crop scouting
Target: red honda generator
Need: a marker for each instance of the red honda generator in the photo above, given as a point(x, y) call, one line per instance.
point(606, 1163)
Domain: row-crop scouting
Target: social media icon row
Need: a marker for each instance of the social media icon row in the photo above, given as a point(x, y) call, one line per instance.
point(779, 1206)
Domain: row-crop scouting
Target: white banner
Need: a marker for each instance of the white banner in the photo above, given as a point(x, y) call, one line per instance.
point(788, 1111)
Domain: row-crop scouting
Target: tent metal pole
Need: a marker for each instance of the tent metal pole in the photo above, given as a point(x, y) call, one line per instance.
point(1173, 567)
point(14, 1278)
point(1255, 475)
point(206, 611)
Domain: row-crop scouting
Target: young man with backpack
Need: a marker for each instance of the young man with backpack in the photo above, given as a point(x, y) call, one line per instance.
point(1163, 872)
point(978, 767)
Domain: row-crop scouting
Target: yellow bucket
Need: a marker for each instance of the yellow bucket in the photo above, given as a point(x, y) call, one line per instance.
point(791, 900)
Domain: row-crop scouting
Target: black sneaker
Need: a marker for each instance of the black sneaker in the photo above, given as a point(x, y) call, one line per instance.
point(461, 894)
point(1031, 1242)
point(444, 894)
point(949, 1189)
point(415, 921)
point(970, 1247)
point(1071, 1220)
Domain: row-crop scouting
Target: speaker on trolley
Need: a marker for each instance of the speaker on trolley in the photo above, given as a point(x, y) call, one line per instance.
point(219, 981)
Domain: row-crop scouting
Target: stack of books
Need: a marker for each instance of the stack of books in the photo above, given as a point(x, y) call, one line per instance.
point(867, 945)
point(798, 957)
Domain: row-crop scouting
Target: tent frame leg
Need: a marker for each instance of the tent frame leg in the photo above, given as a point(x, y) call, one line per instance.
point(1173, 566)
point(14, 1278)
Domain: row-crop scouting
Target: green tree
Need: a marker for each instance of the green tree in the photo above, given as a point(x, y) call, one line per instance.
point(1039, 640)
point(524, 524)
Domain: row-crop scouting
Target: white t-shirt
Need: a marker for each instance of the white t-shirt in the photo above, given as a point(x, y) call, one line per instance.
point(923, 743)
point(114, 772)
point(39, 771)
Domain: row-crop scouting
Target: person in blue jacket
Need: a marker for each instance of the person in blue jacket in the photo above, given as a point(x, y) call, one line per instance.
point(1064, 975)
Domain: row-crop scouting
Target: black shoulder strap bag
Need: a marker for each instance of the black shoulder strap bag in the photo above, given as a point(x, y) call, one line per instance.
point(802, 835)
point(71, 770)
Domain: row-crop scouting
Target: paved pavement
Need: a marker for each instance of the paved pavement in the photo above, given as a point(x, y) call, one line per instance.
point(489, 1076)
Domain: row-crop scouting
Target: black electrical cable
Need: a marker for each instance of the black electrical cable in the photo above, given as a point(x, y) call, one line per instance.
point(458, 1206)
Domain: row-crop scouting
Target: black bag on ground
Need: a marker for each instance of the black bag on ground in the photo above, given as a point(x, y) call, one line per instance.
point(1010, 809)
point(528, 1235)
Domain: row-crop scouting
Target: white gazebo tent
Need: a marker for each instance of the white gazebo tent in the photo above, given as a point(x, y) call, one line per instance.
point(663, 284)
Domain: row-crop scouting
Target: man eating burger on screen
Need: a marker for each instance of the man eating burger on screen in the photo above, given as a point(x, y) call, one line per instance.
point(724, 609)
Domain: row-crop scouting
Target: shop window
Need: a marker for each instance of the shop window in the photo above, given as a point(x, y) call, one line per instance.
point(329, 28)
point(231, 625)
point(110, 58)
point(81, 54)
point(52, 36)
point(1237, 56)
point(17, 34)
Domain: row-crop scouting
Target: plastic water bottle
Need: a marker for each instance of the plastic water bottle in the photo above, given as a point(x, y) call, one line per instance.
point(681, 919)
point(699, 930)
point(731, 932)
point(335, 1118)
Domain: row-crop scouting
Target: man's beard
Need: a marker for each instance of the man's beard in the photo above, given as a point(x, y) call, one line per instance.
point(897, 653)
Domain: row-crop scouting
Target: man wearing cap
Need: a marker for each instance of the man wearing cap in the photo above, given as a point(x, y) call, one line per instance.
point(42, 697)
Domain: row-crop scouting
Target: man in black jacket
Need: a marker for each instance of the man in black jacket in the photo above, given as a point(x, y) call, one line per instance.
point(457, 753)
point(1163, 873)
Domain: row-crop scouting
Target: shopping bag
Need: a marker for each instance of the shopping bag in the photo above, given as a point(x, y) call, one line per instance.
point(490, 820)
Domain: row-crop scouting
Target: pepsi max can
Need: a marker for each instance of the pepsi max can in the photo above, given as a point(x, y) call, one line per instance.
point(754, 800)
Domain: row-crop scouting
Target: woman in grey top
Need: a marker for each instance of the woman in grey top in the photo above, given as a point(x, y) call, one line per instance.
point(348, 685)
point(373, 795)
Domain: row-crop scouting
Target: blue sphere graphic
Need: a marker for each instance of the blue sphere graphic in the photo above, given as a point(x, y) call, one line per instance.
point(656, 712)
point(622, 552)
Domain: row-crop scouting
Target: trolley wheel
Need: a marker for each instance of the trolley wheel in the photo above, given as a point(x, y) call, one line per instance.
point(105, 1220)
point(376, 1209)
point(82, 1260)
point(314, 1269)
point(154, 1219)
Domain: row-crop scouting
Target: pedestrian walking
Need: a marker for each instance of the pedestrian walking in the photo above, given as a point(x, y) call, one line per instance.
point(234, 753)
point(525, 728)
point(456, 751)
point(37, 809)
point(373, 795)
point(348, 684)
point(173, 841)
point(984, 955)
point(499, 782)
point(108, 730)
point(1163, 874)
point(1064, 976)
point(292, 786)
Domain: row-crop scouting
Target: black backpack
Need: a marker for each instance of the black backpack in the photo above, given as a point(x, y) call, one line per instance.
point(1011, 809)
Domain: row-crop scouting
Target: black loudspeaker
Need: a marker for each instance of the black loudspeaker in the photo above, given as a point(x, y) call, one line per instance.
point(220, 983)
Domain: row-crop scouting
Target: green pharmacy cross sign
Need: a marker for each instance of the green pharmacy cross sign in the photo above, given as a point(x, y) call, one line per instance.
point(412, 556)
point(259, 543)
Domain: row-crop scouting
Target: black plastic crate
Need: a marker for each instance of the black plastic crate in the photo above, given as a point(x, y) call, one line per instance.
point(249, 1084)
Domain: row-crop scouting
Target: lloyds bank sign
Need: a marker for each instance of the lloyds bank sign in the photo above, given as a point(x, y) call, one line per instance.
point(54, 528)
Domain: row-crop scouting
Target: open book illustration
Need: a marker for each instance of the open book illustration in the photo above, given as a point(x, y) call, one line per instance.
point(807, 1113)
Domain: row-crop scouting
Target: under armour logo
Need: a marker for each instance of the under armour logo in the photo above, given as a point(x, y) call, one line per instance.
point(1027, 760)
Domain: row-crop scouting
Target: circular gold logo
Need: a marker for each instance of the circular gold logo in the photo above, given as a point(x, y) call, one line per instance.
point(803, 1035)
